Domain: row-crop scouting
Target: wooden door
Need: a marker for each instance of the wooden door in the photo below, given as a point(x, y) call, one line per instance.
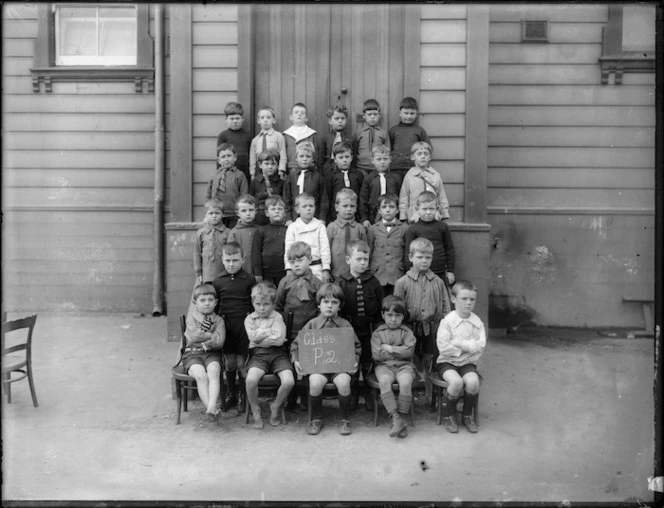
point(326, 54)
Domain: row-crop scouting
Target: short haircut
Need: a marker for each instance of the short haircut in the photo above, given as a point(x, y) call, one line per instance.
point(213, 204)
point(267, 108)
point(345, 193)
point(232, 248)
point(274, 201)
point(245, 198)
point(357, 245)
point(380, 150)
point(339, 108)
point(426, 197)
point(264, 289)
point(370, 105)
point(330, 290)
point(419, 145)
point(225, 146)
point(204, 289)
point(344, 146)
point(422, 245)
point(393, 303)
point(463, 284)
point(271, 154)
point(299, 250)
point(408, 103)
point(233, 108)
point(388, 198)
point(305, 147)
point(300, 105)
point(304, 197)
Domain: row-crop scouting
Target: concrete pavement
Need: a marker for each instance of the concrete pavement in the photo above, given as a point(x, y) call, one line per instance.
point(564, 415)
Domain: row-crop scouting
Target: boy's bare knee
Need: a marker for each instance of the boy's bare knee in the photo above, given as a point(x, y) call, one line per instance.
point(287, 379)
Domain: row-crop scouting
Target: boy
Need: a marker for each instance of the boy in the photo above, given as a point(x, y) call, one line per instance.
point(236, 136)
point(305, 178)
point(426, 301)
point(267, 352)
point(343, 230)
point(297, 290)
point(329, 299)
point(266, 182)
point(343, 175)
point(379, 182)
point(392, 348)
point(420, 178)
point(245, 229)
point(297, 133)
point(337, 118)
point(228, 184)
point(438, 232)
point(233, 288)
point(209, 240)
point(269, 244)
point(310, 230)
point(461, 340)
point(362, 298)
point(205, 335)
point(386, 239)
point(369, 136)
point(267, 139)
point(403, 135)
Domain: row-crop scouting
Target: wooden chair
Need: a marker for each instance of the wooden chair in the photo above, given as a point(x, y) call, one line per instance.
point(439, 389)
point(20, 364)
point(372, 381)
point(184, 383)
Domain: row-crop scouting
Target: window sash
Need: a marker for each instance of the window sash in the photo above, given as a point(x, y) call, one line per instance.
point(102, 39)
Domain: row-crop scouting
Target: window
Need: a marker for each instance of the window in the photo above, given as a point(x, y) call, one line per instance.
point(93, 42)
point(95, 35)
point(628, 41)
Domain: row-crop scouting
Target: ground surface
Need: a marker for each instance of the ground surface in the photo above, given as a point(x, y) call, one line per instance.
point(564, 414)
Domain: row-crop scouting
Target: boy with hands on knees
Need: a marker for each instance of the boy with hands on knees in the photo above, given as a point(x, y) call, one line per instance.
point(392, 348)
point(329, 299)
point(267, 352)
point(461, 339)
point(204, 335)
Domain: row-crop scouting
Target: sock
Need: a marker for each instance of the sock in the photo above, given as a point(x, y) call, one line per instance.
point(389, 401)
point(344, 406)
point(469, 401)
point(404, 403)
point(449, 405)
point(230, 379)
point(316, 405)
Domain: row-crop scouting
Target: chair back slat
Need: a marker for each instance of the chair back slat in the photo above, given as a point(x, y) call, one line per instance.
point(19, 324)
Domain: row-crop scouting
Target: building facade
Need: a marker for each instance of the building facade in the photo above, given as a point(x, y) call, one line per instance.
point(542, 122)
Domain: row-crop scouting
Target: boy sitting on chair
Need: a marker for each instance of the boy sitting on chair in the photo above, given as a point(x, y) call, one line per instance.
point(329, 298)
point(461, 339)
point(205, 335)
point(392, 348)
point(267, 352)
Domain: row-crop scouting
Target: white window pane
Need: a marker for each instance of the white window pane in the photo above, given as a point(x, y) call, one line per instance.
point(117, 38)
point(78, 37)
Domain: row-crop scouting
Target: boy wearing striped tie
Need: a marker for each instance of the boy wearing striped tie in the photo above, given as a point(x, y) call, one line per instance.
point(362, 303)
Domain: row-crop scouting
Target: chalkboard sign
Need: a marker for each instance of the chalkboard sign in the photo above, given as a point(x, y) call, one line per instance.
point(327, 350)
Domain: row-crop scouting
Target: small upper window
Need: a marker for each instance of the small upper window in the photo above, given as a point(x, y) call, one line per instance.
point(104, 35)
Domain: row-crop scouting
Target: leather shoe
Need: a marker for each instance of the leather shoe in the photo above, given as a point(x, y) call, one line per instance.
point(344, 427)
point(398, 424)
point(470, 423)
point(315, 427)
point(450, 424)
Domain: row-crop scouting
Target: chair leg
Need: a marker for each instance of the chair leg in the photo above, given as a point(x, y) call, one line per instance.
point(32, 388)
point(178, 392)
point(439, 399)
point(412, 414)
point(374, 396)
point(185, 389)
point(283, 415)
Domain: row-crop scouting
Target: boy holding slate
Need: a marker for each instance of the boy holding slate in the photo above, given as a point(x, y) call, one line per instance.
point(329, 299)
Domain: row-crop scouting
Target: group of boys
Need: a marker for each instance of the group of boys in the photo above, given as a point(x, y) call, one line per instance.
point(388, 279)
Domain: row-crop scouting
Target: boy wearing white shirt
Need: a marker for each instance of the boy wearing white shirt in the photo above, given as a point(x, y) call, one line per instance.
point(297, 133)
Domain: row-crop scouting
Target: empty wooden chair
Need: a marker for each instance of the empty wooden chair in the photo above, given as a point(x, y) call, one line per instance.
point(17, 365)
